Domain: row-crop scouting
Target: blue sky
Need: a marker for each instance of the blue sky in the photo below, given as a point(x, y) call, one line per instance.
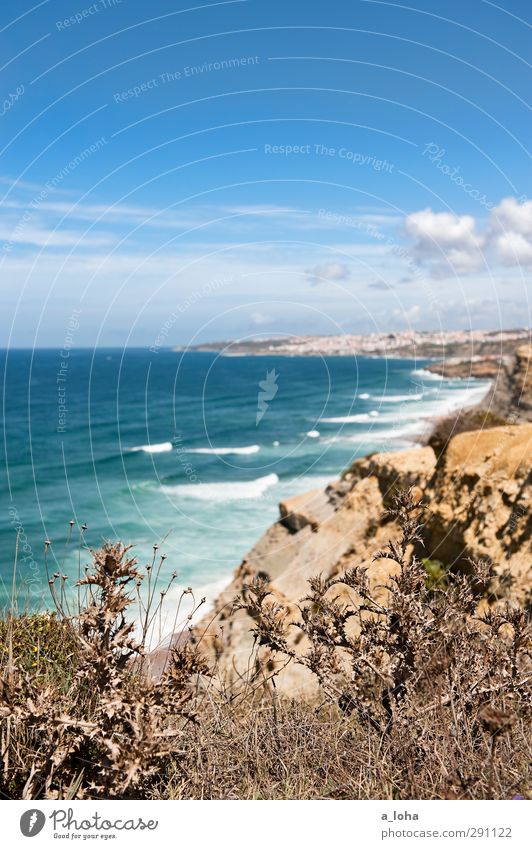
point(231, 169)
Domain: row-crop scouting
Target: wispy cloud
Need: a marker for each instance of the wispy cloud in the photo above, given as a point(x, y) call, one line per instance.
point(330, 272)
point(45, 238)
point(380, 285)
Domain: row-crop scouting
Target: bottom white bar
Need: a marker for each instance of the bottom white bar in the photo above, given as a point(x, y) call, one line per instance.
point(258, 824)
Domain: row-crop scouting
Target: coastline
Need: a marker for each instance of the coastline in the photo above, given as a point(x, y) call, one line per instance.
point(401, 437)
point(325, 530)
point(509, 398)
point(443, 345)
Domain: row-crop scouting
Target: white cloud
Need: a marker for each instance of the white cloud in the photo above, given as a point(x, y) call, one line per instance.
point(46, 238)
point(448, 243)
point(330, 272)
point(510, 231)
point(514, 249)
point(476, 312)
point(259, 319)
point(380, 285)
point(452, 244)
point(514, 216)
point(411, 315)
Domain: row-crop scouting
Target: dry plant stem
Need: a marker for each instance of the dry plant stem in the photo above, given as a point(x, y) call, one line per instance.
point(416, 684)
point(383, 661)
point(114, 728)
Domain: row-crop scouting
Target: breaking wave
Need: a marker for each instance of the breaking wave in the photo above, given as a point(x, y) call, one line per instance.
point(156, 448)
point(226, 491)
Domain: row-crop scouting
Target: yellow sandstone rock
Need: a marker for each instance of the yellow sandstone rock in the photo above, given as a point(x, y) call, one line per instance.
point(478, 499)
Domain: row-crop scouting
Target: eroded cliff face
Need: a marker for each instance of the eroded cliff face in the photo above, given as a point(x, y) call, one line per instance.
point(478, 497)
point(511, 394)
point(480, 501)
point(522, 382)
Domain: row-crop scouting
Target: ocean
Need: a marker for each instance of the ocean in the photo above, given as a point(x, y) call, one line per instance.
point(191, 451)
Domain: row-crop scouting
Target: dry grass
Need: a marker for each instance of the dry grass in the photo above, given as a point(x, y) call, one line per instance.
point(440, 684)
point(421, 693)
point(310, 752)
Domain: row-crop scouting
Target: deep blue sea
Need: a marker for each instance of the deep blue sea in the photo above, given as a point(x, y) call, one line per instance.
point(189, 451)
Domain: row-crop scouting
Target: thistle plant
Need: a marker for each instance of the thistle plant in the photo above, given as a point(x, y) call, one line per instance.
point(409, 660)
point(114, 726)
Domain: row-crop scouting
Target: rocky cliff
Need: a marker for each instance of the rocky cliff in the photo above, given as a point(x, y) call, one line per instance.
point(521, 382)
point(511, 393)
point(478, 495)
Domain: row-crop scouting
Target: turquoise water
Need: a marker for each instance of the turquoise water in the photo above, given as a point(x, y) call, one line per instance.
point(181, 451)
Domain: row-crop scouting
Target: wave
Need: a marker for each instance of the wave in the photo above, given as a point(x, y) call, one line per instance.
point(376, 437)
point(458, 398)
point(227, 491)
point(364, 396)
point(245, 449)
point(156, 448)
point(313, 434)
point(359, 417)
point(441, 402)
point(391, 399)
point(428, 375)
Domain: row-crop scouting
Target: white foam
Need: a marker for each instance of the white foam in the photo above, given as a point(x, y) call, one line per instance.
point(226, 491)
point(245, 449)
point(359, 417)
point(427, 375)
point(156, 448)
point(448, 400)
point(364, 396)
point(392, 399)
point(375, 437)
point(313, 434)
point(458, 398)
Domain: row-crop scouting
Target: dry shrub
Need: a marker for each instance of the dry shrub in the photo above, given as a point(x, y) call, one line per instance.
point(112, 728)
point(423, 692)
point(42, 643)
point(441, 683)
